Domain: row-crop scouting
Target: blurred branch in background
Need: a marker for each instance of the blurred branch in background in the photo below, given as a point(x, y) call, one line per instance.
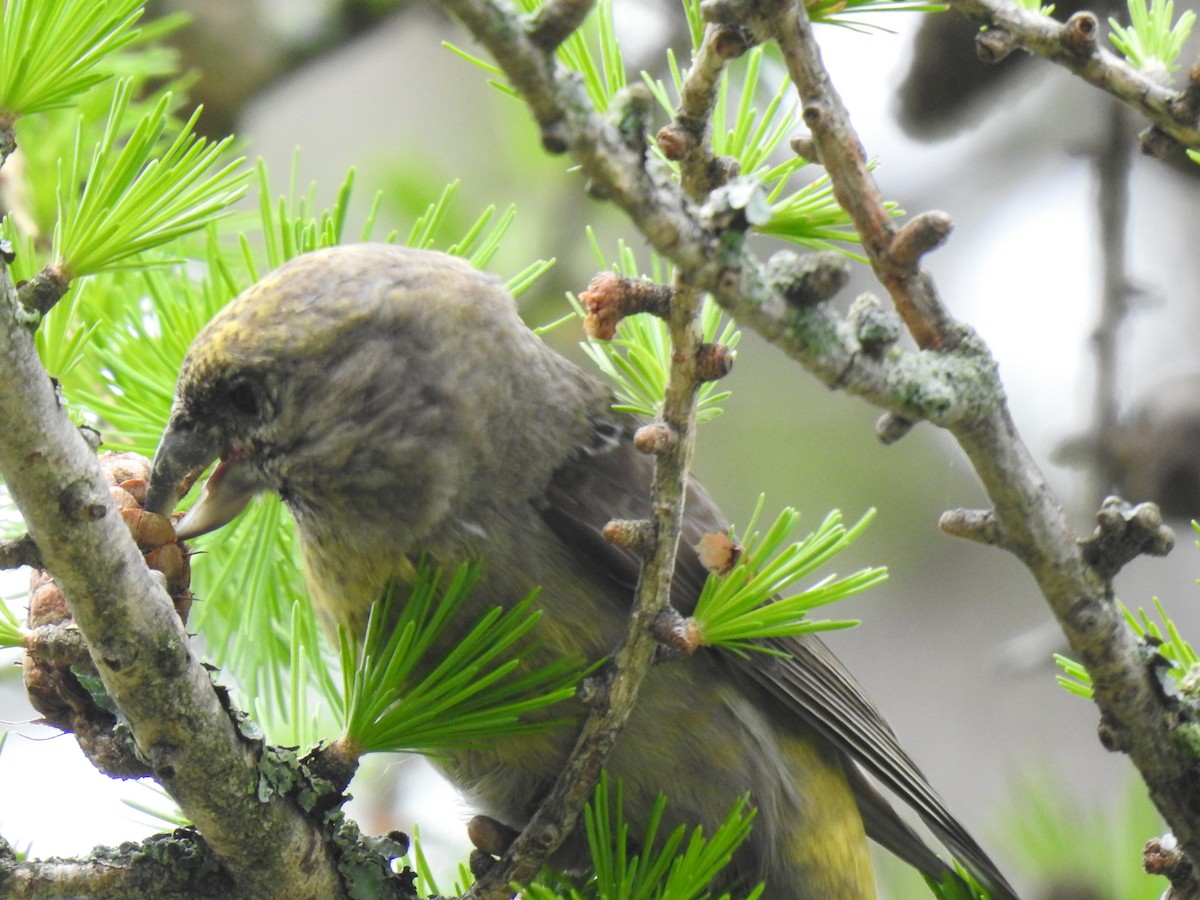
point(239, 48)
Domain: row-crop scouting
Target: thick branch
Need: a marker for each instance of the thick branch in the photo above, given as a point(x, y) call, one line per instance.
point(928, 385)
point(165, 866)
point(136, 639)
point(1141, 721)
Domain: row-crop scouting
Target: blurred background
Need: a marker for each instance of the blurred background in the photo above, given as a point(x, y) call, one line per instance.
point(956, 647)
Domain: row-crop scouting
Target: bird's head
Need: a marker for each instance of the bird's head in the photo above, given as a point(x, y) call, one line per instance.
point(365, 384)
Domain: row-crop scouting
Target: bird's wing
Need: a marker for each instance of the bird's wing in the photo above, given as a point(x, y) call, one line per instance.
point(610, 479)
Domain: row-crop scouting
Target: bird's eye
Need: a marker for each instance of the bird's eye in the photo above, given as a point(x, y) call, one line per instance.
point(246, 398)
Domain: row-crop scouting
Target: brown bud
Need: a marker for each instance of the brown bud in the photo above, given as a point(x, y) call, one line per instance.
point(1079, 33)
point(994, 44)
point(677, 633)
point(807, 280)
point(601, 300)
point(674, 141)
point(919, 236)
point(657, 437)
point(718, 552)
point(730, 41)
point(876, 326)
point(556, 137)
point(490, 836)
point(629, 534)
point(610, 297)
point(47, 605)
point(890, 427)
point(805, 147)
point(149, 529)
point(713, 362)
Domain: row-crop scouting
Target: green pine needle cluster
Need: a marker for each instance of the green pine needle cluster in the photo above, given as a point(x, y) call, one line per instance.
point(1165, 642)
point(296, 705)
point(135, 197)
point(290, 225)
point(478, 243)
point(1153, 39)
point(638, 360)
point(807, 214)
point(405, 691)
point(163, 811)
point(63, 338)
point(50, 50)
point(677, 866)
point(603, 69)
point(744, 605)
point(962, 887)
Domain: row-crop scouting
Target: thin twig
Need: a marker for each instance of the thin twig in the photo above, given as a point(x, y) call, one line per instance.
point(896, 262)
point(688, 137)
point(1073, 45)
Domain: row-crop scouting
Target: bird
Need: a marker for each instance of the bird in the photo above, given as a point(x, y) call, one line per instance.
point(403, 411)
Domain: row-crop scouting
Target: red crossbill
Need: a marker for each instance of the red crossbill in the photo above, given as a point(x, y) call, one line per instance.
point(396, 402)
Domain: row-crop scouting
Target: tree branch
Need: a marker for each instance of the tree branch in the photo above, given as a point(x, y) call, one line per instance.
point(687, 139)
point(952, 381)
point(659, 540)
point(843, 156)
point(19, 552)
point(1074, 46)
point(171, 866)
point(136, 639)
point(1033, 526)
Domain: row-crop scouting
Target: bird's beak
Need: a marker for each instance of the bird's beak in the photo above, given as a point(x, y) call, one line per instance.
point(181, 457)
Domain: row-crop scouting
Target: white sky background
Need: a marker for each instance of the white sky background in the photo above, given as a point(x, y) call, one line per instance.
point(1035, 208)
